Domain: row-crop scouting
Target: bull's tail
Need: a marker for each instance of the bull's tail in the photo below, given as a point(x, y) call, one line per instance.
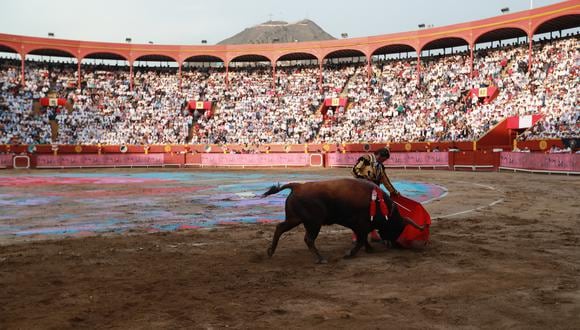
point(276, 189)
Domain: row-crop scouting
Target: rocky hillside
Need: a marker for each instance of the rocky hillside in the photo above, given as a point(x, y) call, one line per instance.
point(279, 32)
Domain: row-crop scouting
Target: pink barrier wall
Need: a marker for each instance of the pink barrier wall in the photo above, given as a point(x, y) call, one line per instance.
point(260, 159)
point(536, 161)
point(339, 159)
point(517, 160)
point(6, 160)
point(89, 160)
point(396, 159)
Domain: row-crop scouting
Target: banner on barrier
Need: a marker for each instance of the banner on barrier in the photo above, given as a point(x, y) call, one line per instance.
point(5, 160)
point(537, 161)
point(255, 159)
point(88, 160)
point(396, 159)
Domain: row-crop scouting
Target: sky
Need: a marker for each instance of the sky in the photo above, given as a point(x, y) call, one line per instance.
point(181, 22)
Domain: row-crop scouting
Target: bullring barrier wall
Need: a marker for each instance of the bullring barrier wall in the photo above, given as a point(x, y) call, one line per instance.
point(454, 160)
point(257, 160)
point(535, 162)
point(6, 161)
point(403, 159)
point(92, 160)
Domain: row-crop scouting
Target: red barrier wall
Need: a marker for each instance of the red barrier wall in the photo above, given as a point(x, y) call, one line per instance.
point(6, 161)
point(486, 157)
point(539, 145)
point(284, 156)
point(174, 159)
point(481, 159)
point(463, 158)
point(193, 159)
point(243, 149)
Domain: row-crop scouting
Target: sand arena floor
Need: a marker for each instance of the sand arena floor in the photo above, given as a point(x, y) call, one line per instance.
point(187, 249)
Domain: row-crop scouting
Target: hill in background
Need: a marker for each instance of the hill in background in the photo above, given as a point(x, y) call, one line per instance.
point(279, 32)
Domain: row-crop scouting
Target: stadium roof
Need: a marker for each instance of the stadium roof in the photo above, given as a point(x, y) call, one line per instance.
point(106, 56)
point(559, 23)
point(297, 57)
point(557, 17)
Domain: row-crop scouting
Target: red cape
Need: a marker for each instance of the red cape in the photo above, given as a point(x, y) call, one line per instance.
point(409, 208)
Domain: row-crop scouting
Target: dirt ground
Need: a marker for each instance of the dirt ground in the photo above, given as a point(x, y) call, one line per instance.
point(505, 253)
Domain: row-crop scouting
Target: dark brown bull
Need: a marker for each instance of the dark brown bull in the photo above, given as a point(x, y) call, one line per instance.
point(342, 201)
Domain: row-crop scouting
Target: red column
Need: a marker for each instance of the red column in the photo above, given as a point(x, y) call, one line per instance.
point(227, 76)
point(79, 73)
point(530, 52)
point(320, 77)
point(274, 75)
point(22, 77)
point(471, 47)
point(131, 76)
point(369, 73)
point(419, 66)
point(179, 74)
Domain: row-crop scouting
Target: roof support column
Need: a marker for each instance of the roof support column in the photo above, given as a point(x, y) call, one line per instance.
point(530, 40)
point(369, 73)
point(419, 66)
point(131, 76)
point(179, 75)
point(471, 47)
point(79, 74)
point(273, 75)
point(227, 76)
point(320, 76)
point(22, 76)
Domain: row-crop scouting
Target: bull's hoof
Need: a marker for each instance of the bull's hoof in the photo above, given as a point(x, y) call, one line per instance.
point(321, 261)
point(270, 252)
point(349, 255)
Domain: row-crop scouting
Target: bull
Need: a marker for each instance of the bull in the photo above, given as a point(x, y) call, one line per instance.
point(341, 201)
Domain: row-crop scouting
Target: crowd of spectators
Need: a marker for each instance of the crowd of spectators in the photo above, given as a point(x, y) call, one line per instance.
point(257, 109)
point(399, 107)
point(19, 123)
point(257, 105)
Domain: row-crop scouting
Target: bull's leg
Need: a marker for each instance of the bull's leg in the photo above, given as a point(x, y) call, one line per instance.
point(375, 237)
point(368, 247)
point(281, 228)
point(362, 236)
point(310, 236)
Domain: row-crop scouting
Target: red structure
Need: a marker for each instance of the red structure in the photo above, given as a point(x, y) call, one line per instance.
point(527, 23)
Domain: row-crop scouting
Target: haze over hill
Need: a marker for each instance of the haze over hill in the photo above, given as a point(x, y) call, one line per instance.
point(279, 32)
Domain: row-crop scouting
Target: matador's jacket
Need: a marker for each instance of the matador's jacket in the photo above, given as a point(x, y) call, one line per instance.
point(368, 167)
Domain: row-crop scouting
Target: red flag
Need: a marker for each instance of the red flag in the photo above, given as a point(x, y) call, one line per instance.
point(519, 122)
point(411, 237)
point(52, 102)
